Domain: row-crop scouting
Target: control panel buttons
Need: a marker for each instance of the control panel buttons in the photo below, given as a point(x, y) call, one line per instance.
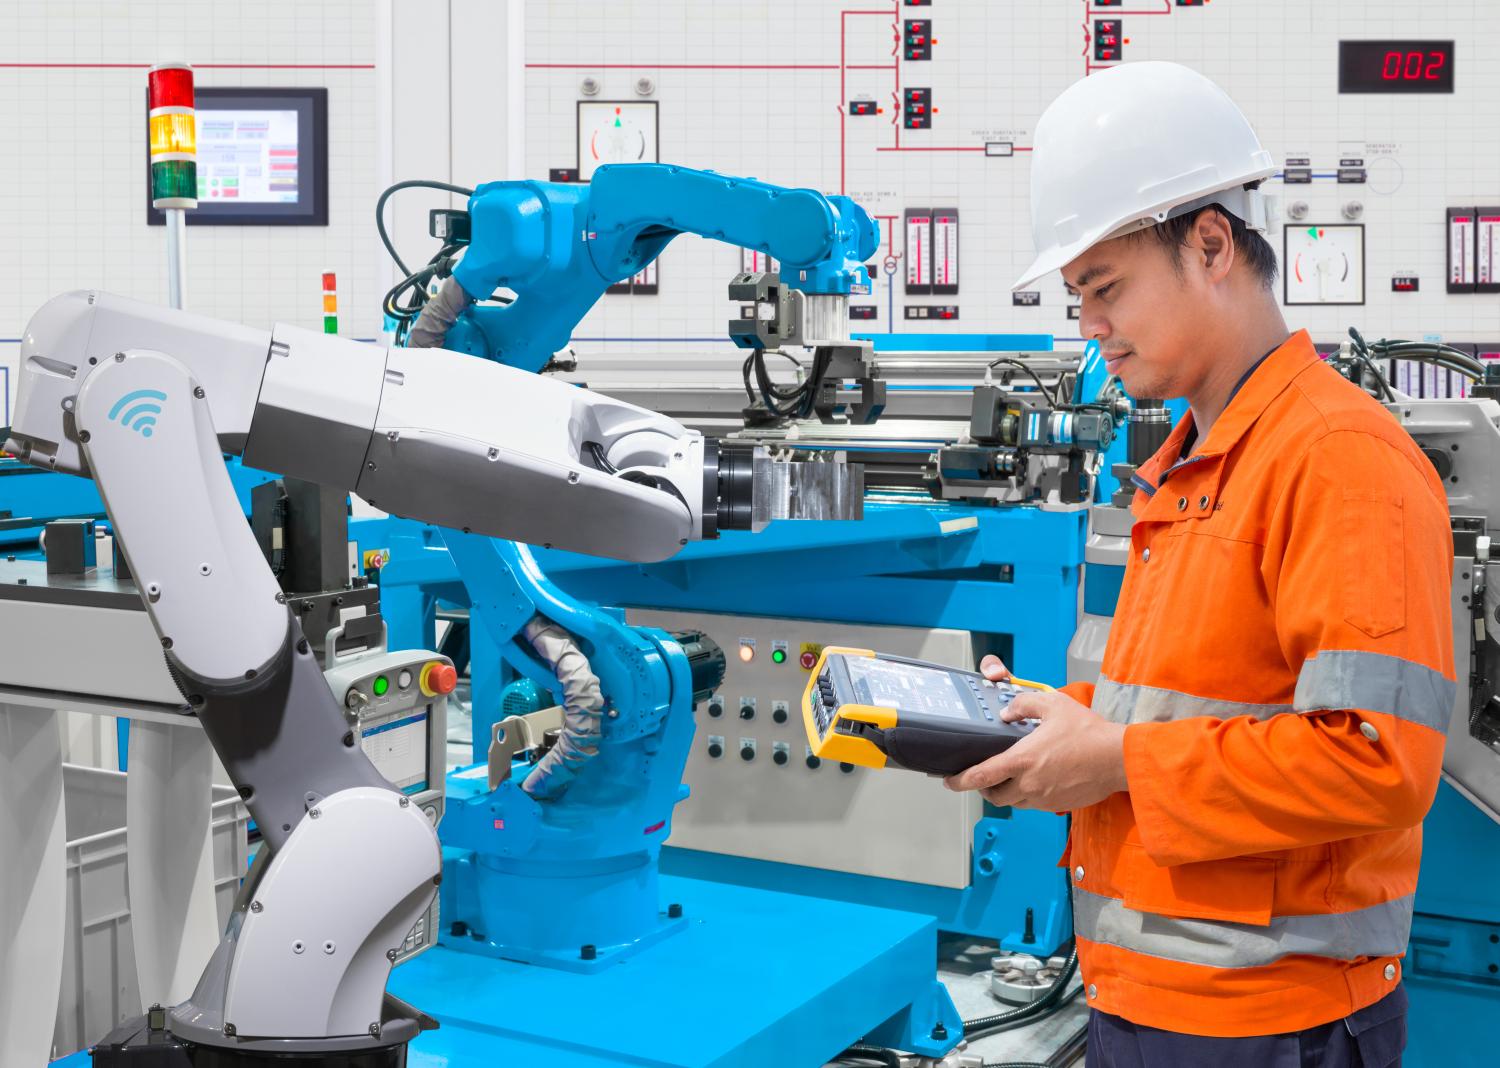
point(814, 762)
point(716, 747)
point(747, 751)
point(716, 709)
point(845, 767)
point(779, 714)
point(747, 711)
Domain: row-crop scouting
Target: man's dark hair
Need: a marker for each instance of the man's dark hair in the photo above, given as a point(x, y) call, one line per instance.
point(1253, 249)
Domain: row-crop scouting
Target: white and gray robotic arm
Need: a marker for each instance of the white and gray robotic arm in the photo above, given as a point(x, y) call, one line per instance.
point(145, 400)
point(429, 434)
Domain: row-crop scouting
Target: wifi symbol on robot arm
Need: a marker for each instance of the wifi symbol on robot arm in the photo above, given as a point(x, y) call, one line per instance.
point(138, 410)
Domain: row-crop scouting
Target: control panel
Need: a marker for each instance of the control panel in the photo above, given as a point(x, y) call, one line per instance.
point(758, 790)
point(396, 705)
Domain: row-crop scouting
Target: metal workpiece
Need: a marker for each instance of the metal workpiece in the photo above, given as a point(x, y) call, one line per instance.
point(751, 487)
point(827, 488)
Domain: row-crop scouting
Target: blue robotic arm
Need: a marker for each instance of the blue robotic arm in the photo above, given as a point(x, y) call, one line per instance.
point(559, 247)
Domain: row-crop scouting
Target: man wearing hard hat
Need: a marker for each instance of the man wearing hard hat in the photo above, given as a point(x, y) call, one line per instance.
point(1248, 776)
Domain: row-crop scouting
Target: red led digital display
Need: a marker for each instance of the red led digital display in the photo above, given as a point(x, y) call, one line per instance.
point(1395, 66)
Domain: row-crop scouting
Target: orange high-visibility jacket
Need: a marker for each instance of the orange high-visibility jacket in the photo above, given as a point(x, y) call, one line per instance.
point(1283, 655)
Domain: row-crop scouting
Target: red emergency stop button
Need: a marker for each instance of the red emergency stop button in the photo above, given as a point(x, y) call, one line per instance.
point(808, 660)
point(438, 679)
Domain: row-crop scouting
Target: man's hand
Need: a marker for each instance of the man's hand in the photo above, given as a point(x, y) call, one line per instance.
point(1074, 757)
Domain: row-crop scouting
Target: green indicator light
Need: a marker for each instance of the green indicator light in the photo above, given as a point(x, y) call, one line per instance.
point(382, 684)
point(778, 656)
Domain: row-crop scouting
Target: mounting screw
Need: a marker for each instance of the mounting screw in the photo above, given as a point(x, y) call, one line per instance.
point(370, 466)
point(314, 813)
point(198, 392)
point(939, 1032)
point(588, 952)
point(375, 1029)
point(280, 598)
point(166, 643)
point(405, 801)
point(153, 591)
point(256, 906)
point(120, 358)
point(644, 87)
point(393, 435)
point(329, 947)
point(298, 946)
point(229, 1029)
point(589, 86)
point(573, 477)
point(390, 955)
point(84, 436)
point(674, 911)
point(205, 570)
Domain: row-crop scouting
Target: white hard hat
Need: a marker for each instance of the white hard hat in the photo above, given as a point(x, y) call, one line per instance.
point(1131, 147)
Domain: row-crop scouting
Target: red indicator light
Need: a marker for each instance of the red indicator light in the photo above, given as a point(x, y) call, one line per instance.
point(499, 825)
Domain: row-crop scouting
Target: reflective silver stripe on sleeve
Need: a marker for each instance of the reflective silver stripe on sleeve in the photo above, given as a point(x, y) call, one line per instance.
point(1378, 931)
point(1121, 703)
point(1349, 678)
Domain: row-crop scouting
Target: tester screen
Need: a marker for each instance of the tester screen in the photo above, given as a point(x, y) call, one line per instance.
point(908, 688)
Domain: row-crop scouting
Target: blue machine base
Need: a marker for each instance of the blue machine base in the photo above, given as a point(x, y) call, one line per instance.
point(757, 978)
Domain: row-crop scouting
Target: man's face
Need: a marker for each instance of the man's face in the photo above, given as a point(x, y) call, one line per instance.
point(1146, 315)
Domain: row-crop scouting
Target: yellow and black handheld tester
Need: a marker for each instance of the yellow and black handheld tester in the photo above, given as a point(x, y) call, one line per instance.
point(880, 711)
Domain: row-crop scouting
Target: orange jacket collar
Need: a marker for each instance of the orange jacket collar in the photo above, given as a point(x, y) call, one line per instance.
point(1285, 363)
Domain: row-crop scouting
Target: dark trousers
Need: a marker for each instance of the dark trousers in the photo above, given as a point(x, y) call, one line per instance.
point(1371, 1038)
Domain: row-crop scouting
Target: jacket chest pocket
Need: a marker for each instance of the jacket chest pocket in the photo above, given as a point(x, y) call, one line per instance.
point(1183, 580)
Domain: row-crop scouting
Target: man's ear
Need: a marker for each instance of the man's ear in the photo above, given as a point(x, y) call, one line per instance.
point(1213, 240)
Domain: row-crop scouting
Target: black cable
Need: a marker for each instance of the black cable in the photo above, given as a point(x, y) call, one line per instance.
point(1380, 379)
point(410, 183)
point(1047, 1005)
point(795, 402)
point(597, 452)
point(1011, 361)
